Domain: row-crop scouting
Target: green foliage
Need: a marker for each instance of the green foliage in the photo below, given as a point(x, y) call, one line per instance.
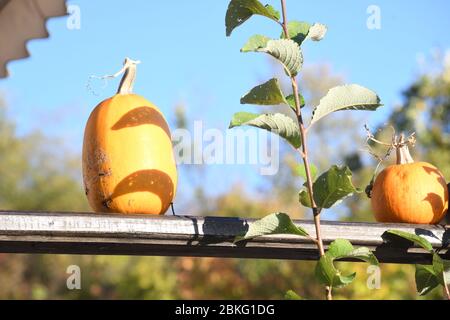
point(255, 42)
point(277, 123)
point(298, 31)
point(291, 101)
point(333, 185)
point(418, 240)
point(330, 188)
point(36, 173)
point(268, 93)
point(327, 273)
point(441, 268)
point(275, 223)
point(427, 278)
point(348, 97)
point(286, 51)
point(240, 11)
point(291, 295)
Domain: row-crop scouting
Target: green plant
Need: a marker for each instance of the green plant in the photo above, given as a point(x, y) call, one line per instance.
point(331, 186)
point(428, 277)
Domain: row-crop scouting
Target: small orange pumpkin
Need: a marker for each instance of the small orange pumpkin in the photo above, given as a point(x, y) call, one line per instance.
point(409, 192)
point(128, 161)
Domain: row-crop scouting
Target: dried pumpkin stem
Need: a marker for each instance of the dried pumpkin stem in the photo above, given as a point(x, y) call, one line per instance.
point(129, 71)
point(403, 155)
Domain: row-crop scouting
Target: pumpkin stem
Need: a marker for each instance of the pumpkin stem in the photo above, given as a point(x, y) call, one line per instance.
point(401, 147)
point(129, 75)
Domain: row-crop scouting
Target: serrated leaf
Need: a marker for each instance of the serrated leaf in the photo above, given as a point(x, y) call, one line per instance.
point(275, 223)
point(291, 101)
point(441, 269)
point(268, 93)
point(317, 32)
point(300, 170)
point(287, 52)
point(240, 11)
point(277, 123)
point(426, 279)
point(255, 42)
point(418, 240)
point(291, 295)
point(327, 273)
point(347, 97)
point(298, 31)
point(330, 188)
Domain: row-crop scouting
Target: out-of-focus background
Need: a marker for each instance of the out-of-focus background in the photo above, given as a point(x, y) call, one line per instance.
point(193, 72)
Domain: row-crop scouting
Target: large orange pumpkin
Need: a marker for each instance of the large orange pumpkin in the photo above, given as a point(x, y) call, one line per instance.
point(409, 192)
point(128, 161)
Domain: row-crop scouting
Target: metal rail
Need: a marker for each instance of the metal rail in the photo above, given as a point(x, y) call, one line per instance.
point(111, 234)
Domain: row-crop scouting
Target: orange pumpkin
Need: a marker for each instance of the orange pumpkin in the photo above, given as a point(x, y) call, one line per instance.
point(409, 192)
point(128, 161)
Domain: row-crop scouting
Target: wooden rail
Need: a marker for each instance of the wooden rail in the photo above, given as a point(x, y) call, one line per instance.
point(87, 233)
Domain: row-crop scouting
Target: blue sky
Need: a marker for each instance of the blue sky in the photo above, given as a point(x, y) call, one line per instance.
point(187, 58)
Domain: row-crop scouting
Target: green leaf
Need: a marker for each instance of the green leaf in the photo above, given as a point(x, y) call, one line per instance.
point(300, 170)
point(291, 101)
point(285, 51)
point(441, 269)
point(348, 97)
point(339, 248)
point(418, 240)
point(342, 248)
point(298, 30)
point(277, 123)
point(255, 42)
point(275, 223)
point(327, 273)
point(291, 295)
point(330, 188)
point(364, 254)
point(274, 13)
point(268, 93)
point(426, 279)
point(240, 11)
point(317, 32)
point(304, 198)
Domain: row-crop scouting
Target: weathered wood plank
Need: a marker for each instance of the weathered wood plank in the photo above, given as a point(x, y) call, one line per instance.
point(87, 233)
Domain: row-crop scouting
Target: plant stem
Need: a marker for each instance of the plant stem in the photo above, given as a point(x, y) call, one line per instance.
point(446, 290)
point(304, 152)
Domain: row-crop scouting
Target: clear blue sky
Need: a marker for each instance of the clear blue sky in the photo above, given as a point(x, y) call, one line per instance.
point(187, 58)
